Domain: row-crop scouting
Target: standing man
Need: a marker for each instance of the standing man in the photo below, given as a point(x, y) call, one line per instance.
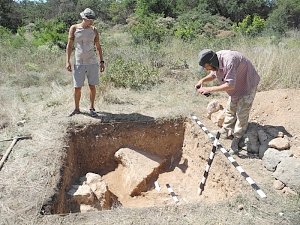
point(85, 37)
point(238, 77)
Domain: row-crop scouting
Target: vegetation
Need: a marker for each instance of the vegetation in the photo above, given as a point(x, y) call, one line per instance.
point(152, 37)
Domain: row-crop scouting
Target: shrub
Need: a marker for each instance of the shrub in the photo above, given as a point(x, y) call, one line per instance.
point(50, 32)
point(192, 24)
point(14, 40)
point(185, 32)
point(147, 29)
point(131, 74)
point(251, 26)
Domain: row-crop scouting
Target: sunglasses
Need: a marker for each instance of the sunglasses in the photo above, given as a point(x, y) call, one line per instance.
point(90, 17)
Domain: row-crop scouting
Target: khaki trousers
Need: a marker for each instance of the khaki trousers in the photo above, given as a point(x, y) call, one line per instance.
point(237, 115)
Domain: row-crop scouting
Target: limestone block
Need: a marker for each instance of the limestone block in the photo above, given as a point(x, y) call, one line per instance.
point(82, 194)
point(279, 143)
point(139, 167)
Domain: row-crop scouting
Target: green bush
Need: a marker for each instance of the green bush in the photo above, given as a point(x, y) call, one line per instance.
point(131, 74)
point(147, 29)
point(185, 32)
point(51, 32)
point(251, 25)
point(192, 24)
point(13, 40)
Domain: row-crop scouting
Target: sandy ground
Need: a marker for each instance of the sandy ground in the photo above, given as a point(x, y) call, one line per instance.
point(30, 176)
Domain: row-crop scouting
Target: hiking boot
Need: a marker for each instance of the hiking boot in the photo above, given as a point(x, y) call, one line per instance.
point(234, 146)
point(224, 134)
point(76, 111)
point(93, 112)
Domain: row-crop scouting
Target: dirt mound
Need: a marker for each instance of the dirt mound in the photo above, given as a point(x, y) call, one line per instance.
point(279, 108)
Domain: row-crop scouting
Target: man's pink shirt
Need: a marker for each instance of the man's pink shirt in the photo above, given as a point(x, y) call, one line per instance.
point(238, 71)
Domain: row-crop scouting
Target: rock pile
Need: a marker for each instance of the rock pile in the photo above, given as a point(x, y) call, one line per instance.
point(272, 145)
point(91, 195)
point(136, 172)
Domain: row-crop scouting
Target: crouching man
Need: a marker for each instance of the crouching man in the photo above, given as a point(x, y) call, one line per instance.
point(238, 77)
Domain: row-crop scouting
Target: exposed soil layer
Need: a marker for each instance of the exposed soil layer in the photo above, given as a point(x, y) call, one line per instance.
point(180, 144)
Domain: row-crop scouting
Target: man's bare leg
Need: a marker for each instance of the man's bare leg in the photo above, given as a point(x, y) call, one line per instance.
point(92, 96)
point(77, 96)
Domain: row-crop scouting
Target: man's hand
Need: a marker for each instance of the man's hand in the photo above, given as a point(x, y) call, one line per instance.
point(198, 85)
point(203, 90)
point(69, 66)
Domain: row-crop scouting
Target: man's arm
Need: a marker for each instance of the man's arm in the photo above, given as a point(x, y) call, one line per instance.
point(99, 51)
point(69, 47)
point(206, 90)
point(209, 77)
point(223, 87)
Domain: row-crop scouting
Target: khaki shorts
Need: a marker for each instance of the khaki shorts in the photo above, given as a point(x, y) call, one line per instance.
point(89, 71)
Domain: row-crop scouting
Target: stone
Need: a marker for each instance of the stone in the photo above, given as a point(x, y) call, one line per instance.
point(273, 157)
point(82, 194)
point(212, 107)
point(21, 123)
point(289, 191)
point(240, 207)
point(99, 188)
point(279, 143)
point(218, 118)
point(296, 151)
point(278, 185)
point(92, 178)
point(139, 166)
point(288, 172)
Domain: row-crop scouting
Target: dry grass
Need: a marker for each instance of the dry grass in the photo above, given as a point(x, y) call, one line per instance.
point(35, 88)
point(277, 64)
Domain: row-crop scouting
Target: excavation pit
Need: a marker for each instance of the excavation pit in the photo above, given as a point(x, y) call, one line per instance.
point(131, 164)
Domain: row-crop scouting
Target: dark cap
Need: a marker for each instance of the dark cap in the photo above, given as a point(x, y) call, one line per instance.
point(208, 56)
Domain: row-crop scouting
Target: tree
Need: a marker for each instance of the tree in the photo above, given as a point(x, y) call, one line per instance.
point(285, 16)
point(237, 10)
point(10, 16)
point(121, 10)
point(32, 10)
point(146, 7)
point(100, 7)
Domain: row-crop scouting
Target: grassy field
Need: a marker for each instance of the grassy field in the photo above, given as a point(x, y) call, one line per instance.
point(148, 79)
point(34, 75)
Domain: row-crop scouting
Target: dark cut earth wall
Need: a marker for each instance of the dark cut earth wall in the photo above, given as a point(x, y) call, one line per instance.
point(92, 149)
